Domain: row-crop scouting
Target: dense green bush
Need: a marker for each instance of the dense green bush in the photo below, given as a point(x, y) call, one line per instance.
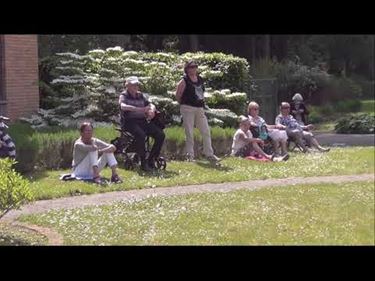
point(348, 106)
point(296, 78)
point(26, 146)
point(14, 190)
point(315, 116)
point(356, 124)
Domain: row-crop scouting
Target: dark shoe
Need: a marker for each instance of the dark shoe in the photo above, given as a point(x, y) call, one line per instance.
point(145, 167)
point(151, 164)
point(116, 179)
point(285, 157)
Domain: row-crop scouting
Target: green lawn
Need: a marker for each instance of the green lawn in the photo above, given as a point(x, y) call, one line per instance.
point(328, 214)
point(19, 236)
point(339, 161)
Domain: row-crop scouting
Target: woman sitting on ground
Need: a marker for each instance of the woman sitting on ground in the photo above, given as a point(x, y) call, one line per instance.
point(295, 130)
point(278, 137)
point(86, 164)
point(244, 145)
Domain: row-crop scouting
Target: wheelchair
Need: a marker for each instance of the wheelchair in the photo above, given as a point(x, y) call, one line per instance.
point(125, 146)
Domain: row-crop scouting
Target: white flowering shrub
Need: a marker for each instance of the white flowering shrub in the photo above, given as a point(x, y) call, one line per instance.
point(88, 86)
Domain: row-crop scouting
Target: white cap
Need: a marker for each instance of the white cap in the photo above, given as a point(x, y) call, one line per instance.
point(132, 80)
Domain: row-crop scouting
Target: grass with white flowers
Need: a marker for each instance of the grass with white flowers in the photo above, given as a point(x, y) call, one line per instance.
point(327, 214)
point(339, 161)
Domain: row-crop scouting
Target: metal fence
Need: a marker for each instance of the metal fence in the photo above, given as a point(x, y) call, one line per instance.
point(266, 95)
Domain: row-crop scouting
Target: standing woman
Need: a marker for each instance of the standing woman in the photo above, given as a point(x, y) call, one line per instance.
point(190, 96)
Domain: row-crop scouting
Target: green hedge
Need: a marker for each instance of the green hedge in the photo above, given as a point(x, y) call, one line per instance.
point(52, 148)
point(363, 123)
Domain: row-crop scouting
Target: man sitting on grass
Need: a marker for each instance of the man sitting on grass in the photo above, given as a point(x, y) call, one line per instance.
point(86, 164)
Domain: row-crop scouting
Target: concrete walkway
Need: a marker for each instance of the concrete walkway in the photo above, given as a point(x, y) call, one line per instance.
point(133, 195)
point(331, 139)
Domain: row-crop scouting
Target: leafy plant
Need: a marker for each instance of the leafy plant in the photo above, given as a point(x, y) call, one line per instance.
point(356, 124)
point(14, 190)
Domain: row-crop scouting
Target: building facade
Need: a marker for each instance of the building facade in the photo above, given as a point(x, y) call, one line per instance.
point(19, 79)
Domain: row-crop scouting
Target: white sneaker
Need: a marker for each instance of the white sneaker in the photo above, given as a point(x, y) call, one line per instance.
point(213, 158)
point(190, 158)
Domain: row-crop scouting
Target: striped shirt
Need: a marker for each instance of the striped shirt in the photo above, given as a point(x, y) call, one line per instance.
point(7, 145)
point(139, 100)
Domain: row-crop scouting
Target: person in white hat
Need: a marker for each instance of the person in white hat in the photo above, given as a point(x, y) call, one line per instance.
point(136, 111)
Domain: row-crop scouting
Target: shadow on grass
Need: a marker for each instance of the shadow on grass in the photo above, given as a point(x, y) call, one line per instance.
point(36, 175)
point(217, 166)
point(157, 174)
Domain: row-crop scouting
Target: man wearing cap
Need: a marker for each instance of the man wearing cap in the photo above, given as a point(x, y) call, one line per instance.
point(136, 111)
point(190, 95)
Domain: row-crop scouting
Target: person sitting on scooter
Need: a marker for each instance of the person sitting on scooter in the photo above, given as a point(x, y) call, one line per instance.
point(136, 114)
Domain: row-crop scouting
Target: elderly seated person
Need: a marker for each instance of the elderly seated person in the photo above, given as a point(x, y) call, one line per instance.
point(136, 113)
point(245, 145)
point(298, 109)
point(278, 137)
point(295, 130)
point(86, 162)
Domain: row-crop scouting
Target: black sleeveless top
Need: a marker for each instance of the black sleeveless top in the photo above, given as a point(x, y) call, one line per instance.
point(193, 94)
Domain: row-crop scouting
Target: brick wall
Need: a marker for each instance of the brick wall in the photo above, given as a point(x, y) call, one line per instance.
point(21, 75)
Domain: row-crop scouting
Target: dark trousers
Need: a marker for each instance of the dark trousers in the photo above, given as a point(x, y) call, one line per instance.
point(140, 129)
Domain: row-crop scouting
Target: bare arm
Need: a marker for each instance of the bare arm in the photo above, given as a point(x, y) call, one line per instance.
point(110, 149)
point(104, 147)
point(180, 90)
point(244, 137)
point(278, 125)
point(85, 147)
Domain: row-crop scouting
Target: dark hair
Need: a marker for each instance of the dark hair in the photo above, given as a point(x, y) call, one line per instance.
point(188, 64)
point(84, 125)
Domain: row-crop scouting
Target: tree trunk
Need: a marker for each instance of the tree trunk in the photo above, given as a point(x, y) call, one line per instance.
point(267, 44)
point(194, 42)
point(253, 48)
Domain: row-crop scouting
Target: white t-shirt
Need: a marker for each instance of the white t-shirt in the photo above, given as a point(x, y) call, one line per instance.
point(238, 142)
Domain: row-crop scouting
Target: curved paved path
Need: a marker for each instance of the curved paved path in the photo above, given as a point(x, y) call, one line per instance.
point(131, 195)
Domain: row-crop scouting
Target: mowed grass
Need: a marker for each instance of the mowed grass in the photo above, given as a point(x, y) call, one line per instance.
point(339, 161)
point(323, 214)
point(11, 235)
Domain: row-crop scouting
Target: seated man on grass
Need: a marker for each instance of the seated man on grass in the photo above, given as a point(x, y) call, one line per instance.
point(86, 162)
